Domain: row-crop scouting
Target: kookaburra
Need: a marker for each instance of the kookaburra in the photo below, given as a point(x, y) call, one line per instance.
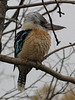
point(32, 43)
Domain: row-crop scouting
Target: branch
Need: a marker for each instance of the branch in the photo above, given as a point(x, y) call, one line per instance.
point(10, 19)
point(70, 45)
point(3, 7)
point(41, 67)
point(38, 4)
point(15, 15)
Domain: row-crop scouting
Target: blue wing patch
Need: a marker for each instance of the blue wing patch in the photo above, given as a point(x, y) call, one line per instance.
point(20, 38)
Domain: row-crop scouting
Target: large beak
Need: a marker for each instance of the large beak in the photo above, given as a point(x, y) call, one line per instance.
point(55, 27)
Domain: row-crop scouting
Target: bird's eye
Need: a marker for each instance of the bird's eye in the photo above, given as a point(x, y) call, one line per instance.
point(34, 22)
point(42, 23)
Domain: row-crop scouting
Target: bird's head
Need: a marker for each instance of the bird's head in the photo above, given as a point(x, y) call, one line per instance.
point(35, 20)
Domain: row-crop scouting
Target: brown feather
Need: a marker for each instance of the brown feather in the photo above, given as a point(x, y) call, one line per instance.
point(35, 47)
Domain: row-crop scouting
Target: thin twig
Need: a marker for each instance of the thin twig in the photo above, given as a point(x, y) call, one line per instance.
point(10, 19)
point(51, 23)
point(50, 10)
point(39, 4)
point(7, 42)
point(57, 50)
point(60, 13)
point(14, 15)
point(11, 31)
point(49, 90)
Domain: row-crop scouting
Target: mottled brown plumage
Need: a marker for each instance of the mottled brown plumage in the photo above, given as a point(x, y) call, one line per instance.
point(36, 44)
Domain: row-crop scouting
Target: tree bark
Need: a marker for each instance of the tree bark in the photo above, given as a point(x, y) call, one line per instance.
point(3, 8)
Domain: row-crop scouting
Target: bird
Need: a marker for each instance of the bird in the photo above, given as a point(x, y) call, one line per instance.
point(32, 43)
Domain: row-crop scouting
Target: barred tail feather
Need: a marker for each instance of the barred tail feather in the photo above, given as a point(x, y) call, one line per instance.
point(23, 71)
point(21, 82)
